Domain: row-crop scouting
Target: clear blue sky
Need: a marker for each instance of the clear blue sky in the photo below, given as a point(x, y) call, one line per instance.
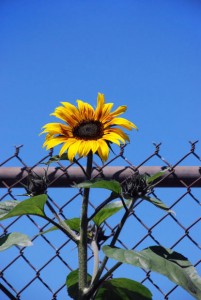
point(145, 54)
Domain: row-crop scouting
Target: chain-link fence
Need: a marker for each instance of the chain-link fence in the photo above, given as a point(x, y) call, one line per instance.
point(39, 272)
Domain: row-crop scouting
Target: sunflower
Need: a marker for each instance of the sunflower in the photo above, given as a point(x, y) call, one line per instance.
point(87, 129)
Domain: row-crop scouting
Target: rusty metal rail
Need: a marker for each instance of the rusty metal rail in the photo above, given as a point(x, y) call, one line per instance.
point(180, 176)
point(181, 230)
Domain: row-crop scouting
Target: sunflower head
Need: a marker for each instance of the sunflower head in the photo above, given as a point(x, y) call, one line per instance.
point(87, 129)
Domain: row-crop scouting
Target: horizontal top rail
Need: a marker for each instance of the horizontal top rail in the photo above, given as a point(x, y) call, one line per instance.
point(179, 176)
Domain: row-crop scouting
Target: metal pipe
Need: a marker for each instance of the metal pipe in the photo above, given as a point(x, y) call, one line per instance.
point(180, 176)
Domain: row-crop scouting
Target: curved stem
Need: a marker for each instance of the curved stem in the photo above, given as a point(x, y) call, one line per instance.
point(95, 250)
point(108, 274)
point(96, 281)
point(109, 199)
point(62, 224)
point(63, 229)
point(82, 245)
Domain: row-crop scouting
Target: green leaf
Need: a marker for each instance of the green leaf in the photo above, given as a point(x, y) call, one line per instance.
point(164, 261)
point(74, 224)
point(72, 283)
point(7, 206)
point(123, 289)
point(157, 203)
point(31, 206)
point(15, 238)
point(107, 211)
point(155, 176)
point(111, 185)
point(56, 158)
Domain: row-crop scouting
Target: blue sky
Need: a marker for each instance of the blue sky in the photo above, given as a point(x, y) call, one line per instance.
point(143, 54)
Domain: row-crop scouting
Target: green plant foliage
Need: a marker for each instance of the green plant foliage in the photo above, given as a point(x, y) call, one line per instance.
point(72, 283)
point(123, 289)
point(74, 224)
point(164, 261)
point(7, 206)
point(31, 206)
point(111, 185)
point(157, 175)
point(157, 202)
point(56, 158)
point(14, 238)
point(107, 211)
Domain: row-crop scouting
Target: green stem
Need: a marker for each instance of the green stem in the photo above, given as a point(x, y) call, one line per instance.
point(62, 225)
point(71, 236)
point(82, 245)
point(96, 281)
point(95, 250)
point(109, 199)
point(106, 276)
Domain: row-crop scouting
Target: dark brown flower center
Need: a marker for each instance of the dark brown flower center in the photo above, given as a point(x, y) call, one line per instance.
point(88, 130)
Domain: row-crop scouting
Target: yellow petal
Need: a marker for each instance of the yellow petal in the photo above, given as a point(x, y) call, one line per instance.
point(100, 104)
point(72, 109)
point(86, 110)
point(94, 146)
point(103, 150)
point(114, 138)
point(62, 113)
point(121, 122)
point(53, 142)
point(64, 148)
point(48, 137)
point(107, 108)
point(106, 112)
point(73, 149)
point(66, 145)
point(57, 128)
point(100, 100)
point(58, 112)
point(89, 111)
point(119, 132)
point(81, 106)
point(80, 149)
point(120, 110)
point(84, 148)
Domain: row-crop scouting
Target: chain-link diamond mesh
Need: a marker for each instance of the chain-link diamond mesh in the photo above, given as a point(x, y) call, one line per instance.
point(41, 270)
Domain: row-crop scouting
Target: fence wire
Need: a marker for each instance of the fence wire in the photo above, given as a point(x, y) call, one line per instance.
point(41, 270)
